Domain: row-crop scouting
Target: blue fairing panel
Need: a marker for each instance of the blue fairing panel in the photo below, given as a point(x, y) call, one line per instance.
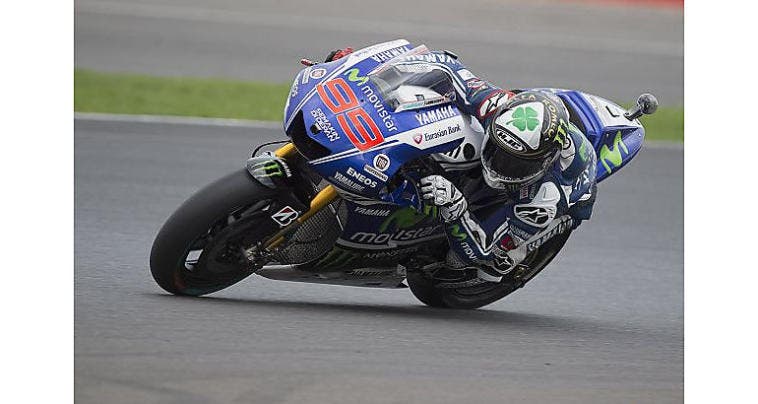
point(338, 118)
point(616, 140)
point(304, 85)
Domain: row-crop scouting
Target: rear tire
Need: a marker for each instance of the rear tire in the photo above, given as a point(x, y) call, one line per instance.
point(437, 293)
point(192, 226)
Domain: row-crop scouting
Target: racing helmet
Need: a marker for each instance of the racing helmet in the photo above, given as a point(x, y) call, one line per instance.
point(524, 139)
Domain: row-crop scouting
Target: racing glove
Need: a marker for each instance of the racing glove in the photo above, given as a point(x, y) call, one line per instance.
point(269, 170)
point(437, 190)
point(338, 54)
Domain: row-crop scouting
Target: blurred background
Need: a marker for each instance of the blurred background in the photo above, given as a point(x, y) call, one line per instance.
point(613, 48)
point(604, 323)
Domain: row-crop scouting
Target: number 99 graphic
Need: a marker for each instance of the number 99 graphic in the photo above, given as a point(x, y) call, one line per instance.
point(337, 95)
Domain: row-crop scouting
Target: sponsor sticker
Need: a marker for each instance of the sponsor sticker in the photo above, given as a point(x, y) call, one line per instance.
point(508, 141)
point(533, 215)
point(442, 132)
point(466, 75)
point(432, 58)
point(354, 75)
point(418, 138)
point(294, 89)
point(347, 182)
point(381, 162)
point(437, 114)
point(285, 216)
point(362, 179)
point(491, 103)
point(525, 121)
point(524, 192)
point(564, 224)
point(372, 212)
point(376, 102)
point(400, 235)
point(390, 53)
point(317, 73)
point(475, 84)
point(306, 75)
point(376, 173)
point(323, 123)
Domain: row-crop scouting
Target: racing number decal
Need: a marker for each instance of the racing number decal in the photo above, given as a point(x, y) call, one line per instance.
point(337, 95)
point(341, 92)
point(365, 140)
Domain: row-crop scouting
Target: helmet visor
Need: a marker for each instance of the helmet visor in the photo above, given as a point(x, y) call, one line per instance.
point(507, 169)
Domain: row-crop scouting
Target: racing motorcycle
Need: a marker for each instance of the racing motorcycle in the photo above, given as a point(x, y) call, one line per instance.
point(361, 132)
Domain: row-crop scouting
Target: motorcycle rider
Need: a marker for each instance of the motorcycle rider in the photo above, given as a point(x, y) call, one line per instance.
point(537, 167)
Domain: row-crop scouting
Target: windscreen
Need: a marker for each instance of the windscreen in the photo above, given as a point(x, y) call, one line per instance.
point(408, 82)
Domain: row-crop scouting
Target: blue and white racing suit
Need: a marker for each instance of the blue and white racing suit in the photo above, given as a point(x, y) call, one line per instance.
point(500, 228)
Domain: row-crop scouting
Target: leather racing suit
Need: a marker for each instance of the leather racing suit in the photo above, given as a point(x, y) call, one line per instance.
point(494, 230)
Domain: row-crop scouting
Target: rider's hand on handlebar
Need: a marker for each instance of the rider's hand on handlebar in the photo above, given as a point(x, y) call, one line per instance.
point(437, 190)
point(269, 170)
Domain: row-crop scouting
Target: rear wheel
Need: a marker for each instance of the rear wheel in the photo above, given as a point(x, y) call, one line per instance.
point(204, 246)
point(469, 292)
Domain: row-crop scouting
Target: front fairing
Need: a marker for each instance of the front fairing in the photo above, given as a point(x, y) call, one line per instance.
point(304, 85)
point(368, 139)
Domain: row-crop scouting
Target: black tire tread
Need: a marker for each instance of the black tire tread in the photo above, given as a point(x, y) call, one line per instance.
point(193, 218)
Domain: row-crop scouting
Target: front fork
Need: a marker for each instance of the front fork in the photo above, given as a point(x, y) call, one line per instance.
point(319, 201)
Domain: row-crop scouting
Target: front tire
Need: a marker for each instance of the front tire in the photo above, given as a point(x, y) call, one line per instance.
point(214, 224)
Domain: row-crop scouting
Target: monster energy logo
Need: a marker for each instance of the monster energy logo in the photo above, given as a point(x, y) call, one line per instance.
point(352, 75)
point(338, 258)
point(560, 133)
point(272, 169)
point(612, 158)
point(408, 217)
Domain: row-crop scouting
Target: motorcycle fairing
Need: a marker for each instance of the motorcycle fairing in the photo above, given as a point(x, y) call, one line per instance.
point(616, 140)
point(304, 86)
point(358, 140)
point(381, 227)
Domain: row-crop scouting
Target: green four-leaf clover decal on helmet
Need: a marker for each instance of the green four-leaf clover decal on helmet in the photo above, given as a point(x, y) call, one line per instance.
point(524, 118)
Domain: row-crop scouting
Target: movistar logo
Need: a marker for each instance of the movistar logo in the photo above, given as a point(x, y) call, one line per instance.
point(612, 158)
point(455, 231)
point(352, 75)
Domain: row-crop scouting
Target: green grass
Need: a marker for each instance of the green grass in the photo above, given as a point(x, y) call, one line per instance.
point(665, 124)
point(137, 94)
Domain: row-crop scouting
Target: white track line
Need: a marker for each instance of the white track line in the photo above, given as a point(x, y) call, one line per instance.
point(244, 123)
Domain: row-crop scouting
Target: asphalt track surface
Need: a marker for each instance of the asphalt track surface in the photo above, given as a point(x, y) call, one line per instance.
point(604, 323)
point(614, 51)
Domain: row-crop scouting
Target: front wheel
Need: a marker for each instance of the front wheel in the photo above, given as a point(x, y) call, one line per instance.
point(468, 292)
point(204, 246)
